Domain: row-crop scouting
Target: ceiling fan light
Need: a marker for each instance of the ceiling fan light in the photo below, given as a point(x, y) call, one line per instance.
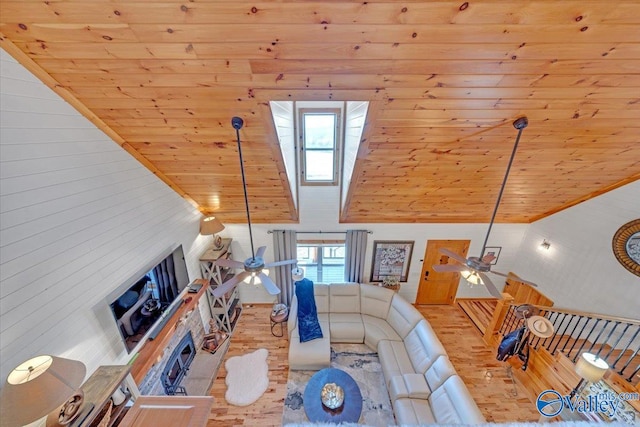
point(472, 277)
point(254, 279)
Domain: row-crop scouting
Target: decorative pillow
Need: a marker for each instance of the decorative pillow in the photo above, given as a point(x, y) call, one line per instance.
point(308, 325)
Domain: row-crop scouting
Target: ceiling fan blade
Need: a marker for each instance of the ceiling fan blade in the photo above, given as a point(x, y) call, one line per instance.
point(268, 284)
point(261, 251)
point(448, 268)
point(453, 255)
point(279, 263)
point(490, 286)
point(488, 258)
point(223, 262)
point(518, 279)
point(229, 284)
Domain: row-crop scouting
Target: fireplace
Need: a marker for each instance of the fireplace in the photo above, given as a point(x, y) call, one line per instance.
point(178, 365)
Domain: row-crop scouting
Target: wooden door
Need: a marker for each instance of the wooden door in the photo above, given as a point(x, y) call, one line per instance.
point(169, 411)
point(440, 288)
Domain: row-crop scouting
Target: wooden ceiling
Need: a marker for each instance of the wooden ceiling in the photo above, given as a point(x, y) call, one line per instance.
point(445, 80)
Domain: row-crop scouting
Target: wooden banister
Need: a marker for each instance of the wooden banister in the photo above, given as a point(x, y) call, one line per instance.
point(499, 315)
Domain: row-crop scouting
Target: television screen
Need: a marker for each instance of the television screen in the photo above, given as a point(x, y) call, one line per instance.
point(147, 296)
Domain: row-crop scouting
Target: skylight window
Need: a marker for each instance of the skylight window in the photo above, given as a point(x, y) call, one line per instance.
point(319, 133)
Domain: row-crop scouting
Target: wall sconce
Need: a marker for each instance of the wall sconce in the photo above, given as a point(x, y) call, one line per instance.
point(41, 385)
point(545, 245)
point(210, 226)
point(591, 368)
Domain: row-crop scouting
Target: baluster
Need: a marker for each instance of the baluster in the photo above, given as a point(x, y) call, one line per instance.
point(608, 338)
point(586, 338)
point(559, 335)
point(613, 347)
point(575, 341)
point(625, 348)
point(629, 361)
point(598, 337)
point(508, 320)
point(633, 374)
point(570, 336)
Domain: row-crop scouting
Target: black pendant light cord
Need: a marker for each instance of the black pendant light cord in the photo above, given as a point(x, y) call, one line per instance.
point(519, 124)
point(237, 124)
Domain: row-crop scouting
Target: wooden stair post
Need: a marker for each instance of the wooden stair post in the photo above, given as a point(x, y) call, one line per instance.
point(498, 317)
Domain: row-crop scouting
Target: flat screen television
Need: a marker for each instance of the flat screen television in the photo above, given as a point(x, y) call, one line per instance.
point(143, 299)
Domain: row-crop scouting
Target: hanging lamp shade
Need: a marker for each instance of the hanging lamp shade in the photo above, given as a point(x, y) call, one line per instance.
point(37, 387)
point(210, 225)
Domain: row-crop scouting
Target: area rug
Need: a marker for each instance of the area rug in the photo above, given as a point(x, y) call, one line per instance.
point(364, 367)
point(247, 377)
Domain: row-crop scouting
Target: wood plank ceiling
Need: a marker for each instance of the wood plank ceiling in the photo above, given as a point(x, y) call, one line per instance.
point(446, 80)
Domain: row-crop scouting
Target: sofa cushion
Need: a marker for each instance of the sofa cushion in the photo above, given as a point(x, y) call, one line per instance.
point(394, 360)
point(321, 294)
point(423, 346)
point(346, 327)
point(413, 412)
point(375, 300)
point(344, 298)
point(376, 329)
point(409, 385)
point(402, 316)
point(311, 355)
point(452, 403)
point(439, 372)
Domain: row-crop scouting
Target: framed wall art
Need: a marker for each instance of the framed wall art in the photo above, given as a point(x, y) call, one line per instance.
point(626, 246)
point(391, 258)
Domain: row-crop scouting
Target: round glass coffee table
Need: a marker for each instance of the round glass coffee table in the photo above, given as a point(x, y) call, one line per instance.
point(349, 412)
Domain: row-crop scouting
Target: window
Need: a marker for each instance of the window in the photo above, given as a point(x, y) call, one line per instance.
point(322, 262)
point(319, 136)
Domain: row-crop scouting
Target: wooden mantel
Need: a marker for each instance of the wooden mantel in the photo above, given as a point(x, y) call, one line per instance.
point(151, 350)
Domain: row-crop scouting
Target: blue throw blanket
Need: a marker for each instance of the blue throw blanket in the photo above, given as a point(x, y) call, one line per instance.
point(308, 325)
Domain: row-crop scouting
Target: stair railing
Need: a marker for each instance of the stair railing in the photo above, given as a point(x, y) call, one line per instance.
point(614, 339)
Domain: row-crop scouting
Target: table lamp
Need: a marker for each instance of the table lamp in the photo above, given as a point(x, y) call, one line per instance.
point(591, 368)
point(39, 386)
point(210, 226)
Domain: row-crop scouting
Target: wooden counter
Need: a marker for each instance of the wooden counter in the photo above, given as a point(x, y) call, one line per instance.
point(169, 411)
point(150, 351)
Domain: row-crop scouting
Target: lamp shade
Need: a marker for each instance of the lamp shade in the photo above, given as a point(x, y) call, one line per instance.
point(591, 367)
point(37, 387)
point(210, 225)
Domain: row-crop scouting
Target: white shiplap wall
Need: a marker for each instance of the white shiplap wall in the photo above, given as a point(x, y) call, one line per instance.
point(78, 217)
point(580, 271)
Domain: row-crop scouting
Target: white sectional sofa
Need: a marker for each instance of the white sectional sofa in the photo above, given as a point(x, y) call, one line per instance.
point(422, 383)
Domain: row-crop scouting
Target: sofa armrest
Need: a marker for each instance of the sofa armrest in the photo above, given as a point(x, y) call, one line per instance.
point(409, 385)
point(292, 323)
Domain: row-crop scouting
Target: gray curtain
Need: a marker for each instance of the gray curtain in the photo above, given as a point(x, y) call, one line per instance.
point(285, 246)
point(355, 247)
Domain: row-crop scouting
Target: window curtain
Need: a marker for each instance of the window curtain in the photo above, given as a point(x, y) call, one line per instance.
point(285, 246)
point(167, 283)
point(355, 247)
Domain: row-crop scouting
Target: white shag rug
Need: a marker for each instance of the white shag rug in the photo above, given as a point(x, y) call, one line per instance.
point(247, 377)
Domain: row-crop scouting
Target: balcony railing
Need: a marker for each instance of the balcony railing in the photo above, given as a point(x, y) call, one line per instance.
point(614, 339)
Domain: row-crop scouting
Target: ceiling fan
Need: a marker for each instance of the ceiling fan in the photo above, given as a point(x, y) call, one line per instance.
point(255, 269)
point(473, 269)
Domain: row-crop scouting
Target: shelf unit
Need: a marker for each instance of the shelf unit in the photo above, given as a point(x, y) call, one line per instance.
point(208, 267)
point(225, 308)
point(98, 389)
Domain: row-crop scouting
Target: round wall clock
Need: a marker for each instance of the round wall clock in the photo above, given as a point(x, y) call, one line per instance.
point(626, 246)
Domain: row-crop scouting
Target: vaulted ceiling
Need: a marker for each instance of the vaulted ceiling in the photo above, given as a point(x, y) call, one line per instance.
point(445, 81)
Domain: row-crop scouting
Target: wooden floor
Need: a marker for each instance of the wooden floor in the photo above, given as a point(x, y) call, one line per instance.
point(480, 311)
point(485, 377)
